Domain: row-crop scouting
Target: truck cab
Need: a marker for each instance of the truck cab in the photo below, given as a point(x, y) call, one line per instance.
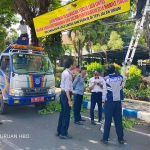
point(26, 76)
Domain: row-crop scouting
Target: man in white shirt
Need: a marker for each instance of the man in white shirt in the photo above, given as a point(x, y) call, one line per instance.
point(96, 86)
point(23, 29)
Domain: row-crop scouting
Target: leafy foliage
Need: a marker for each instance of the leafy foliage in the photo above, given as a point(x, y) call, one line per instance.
point(115, 42)
point(134, 78)
point(53, 46)
point(57, 82)
point(56, 107)
point(128, 123)
point(68, 49)
point(12, 36)
point(118, 68)
point(7, 14)
point(50, 108)
point(94, 66)
point(136, 87)
point(3, 35)
point(7, 18)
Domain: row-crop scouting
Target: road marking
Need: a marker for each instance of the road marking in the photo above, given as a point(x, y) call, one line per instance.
point(140, 132)
point(12, 145)
point(119, 145)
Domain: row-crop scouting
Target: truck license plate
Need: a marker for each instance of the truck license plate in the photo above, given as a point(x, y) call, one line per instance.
point(37, 99)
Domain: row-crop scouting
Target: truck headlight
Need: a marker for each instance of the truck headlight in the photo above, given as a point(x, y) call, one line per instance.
point(51, 91)
point(15, 92)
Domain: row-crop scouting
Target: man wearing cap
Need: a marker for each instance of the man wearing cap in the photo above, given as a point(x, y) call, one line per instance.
point(65, 101)
point(112, 103)
point(78, 86)
point(96, 88)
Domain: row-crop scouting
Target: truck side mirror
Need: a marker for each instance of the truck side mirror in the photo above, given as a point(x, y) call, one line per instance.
point(3, 65)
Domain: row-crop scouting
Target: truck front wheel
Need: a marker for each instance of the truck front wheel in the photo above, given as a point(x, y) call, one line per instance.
point(3, 106)
point(40, 106)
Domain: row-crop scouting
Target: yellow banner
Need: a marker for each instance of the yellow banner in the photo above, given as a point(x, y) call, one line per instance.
point(78, 13)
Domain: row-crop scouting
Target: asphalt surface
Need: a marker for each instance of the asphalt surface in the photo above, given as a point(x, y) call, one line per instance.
point(24, 129)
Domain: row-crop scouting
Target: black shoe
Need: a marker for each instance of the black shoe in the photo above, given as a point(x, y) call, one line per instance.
point(65, 137)
point(138, 16)
point(57, 134)
point(78, 123)
point(82, 120)
point(121, 142)
point(104, 142)
point(100, 121)
point(1, 123)
point(93, 122)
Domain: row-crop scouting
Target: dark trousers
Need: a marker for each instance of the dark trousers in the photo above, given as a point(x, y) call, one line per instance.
point(140, 6)
point(64, 117)
point(96, 98)
point(24, 35)
point(77, 107)
point(113, 109)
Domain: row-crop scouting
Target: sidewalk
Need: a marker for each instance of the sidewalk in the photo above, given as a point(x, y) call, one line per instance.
point(131, 108)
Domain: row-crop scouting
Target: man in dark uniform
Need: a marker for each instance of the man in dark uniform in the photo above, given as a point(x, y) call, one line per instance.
point(65, 101)
point(140, 6)
point(78, 86)
point(112, 104)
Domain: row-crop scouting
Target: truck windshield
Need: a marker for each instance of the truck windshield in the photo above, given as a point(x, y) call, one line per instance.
point(29, 63)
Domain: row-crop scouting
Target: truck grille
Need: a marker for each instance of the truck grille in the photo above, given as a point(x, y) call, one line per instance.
point(35, 91)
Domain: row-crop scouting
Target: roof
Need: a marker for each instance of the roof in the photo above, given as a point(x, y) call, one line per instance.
point(141, 52)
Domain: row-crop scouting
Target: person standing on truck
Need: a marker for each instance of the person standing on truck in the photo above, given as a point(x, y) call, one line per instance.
point(112, 103)
point(65, 101)
point(78, 86)
point(96, 88)
point(23, 29)
point(140, 5)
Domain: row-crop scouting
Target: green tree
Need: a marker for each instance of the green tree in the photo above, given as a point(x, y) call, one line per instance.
point(77, 38)
point(7, 14)
point(12, 36)
point(3, 35)
point(115, 42)
point(28, 9)
point(7, 18)
point(53, 47)
point(68, 49)
point(96, 47)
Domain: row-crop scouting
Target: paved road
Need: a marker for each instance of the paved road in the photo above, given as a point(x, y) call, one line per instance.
point(26, 130)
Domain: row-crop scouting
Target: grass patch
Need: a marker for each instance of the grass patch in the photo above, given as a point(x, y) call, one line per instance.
point(56, 107)
point(128, 123)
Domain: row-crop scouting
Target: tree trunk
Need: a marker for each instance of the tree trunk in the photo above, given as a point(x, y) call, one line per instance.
point(55, 68)
point(106, 56)
point(34, 39)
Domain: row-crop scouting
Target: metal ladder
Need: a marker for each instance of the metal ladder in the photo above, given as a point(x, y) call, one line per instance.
point(134, 41)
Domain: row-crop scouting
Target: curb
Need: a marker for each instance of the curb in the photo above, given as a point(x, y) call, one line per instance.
point(125, 99)
point(125, 112)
